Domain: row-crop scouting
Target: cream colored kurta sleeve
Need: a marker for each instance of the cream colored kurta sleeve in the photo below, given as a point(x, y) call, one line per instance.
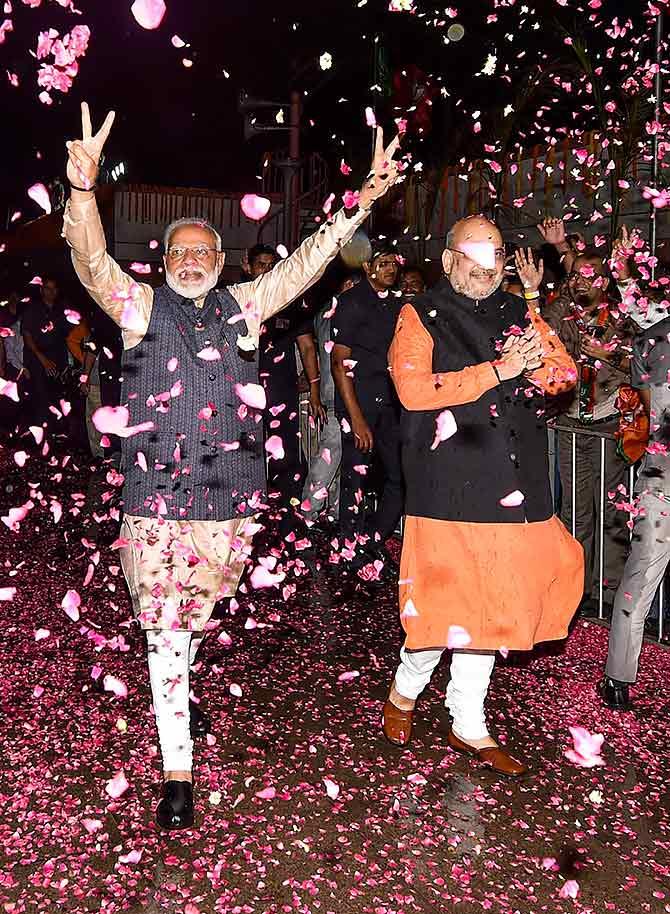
point(290, 278)
point(101, 275)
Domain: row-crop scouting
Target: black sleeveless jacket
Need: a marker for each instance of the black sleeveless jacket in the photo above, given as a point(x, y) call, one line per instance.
point(205, 467)
point(501, 442)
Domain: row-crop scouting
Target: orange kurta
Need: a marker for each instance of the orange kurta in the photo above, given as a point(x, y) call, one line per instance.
point(508, 585)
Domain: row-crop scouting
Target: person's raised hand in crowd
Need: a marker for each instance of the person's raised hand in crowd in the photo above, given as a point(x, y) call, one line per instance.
point(84, 154)
point(529, 272)
point(384, 171)
point(553, 232)
point(622, 251)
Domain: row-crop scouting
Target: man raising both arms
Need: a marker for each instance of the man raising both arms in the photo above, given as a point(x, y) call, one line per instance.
point(194, 468)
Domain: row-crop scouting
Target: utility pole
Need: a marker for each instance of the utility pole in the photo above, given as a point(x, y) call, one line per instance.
point(290, 167)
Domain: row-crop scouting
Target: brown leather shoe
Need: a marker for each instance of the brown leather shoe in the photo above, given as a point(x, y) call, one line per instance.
point(396, 724)
point(495, 757)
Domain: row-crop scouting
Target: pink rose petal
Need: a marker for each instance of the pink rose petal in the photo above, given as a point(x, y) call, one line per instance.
point(117, 785)
point(148, 13)
point(40, 195)
point(110, 420)
point(71, 603)
point(210, 354)
point(513, 500)
point(255, 207)
point(445, 427)
point(9, 389)
point(112, 684)
point(275, 447)
point(569, 889)
point(332, 789)
point(252, 395)
point(131, 857)
point(261, 577)
point(268, 793)
point(457, 637)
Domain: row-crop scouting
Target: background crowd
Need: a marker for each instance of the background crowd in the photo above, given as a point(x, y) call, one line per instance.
point(323, 363)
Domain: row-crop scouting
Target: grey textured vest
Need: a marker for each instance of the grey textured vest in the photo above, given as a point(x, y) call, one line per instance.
point(198, 467)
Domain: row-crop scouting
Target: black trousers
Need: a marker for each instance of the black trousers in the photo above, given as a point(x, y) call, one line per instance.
point(285, 476)
point(363, 472)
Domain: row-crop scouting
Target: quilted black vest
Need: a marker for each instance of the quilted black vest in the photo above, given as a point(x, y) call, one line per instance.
point(500, 445)
point(204, 458)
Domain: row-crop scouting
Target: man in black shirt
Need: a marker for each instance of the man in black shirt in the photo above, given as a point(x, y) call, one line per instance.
point(367, 407)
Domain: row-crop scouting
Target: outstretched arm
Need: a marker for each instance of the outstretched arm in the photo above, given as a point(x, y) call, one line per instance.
point(291, 277)
point(126, 301)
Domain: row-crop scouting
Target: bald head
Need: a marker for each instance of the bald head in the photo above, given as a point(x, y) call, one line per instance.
point(474, 258)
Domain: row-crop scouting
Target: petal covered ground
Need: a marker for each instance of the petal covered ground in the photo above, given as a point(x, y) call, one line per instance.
point(301, 805)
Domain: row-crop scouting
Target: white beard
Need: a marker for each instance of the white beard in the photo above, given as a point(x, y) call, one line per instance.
point(194, 290)
point(466, 288)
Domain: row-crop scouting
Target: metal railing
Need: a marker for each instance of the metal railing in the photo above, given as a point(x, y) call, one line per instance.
point(594, 432)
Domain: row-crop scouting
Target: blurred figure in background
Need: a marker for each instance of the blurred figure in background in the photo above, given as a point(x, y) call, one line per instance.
point(322, 488)
point(45, 355)
point(411, 282)
point(12, 366)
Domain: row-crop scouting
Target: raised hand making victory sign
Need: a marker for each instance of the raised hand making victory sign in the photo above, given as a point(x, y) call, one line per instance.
point(84, 155)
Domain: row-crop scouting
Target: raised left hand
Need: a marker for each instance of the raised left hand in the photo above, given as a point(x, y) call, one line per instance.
point(529, 274)
point(84, 154)
point(384, 172)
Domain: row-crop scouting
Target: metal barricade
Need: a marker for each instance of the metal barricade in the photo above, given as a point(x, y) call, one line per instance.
point(593, 432)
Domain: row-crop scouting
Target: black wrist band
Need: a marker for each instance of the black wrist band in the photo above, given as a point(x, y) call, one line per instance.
point(84, 190)
point(496, 373)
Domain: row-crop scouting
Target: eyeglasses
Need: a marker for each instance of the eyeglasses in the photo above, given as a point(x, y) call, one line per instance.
point(499, 253)
point(201, 252)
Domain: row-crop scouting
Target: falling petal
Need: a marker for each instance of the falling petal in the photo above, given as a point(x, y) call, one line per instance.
point(40, 195)
point(148, 13)
point(513, 500)
point(457, 637)
point(71, 603)
point(255, 207)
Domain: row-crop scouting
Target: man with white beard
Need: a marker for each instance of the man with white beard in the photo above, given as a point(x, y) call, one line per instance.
point(192, 455)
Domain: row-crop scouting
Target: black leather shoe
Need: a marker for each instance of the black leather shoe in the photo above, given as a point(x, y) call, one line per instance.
point(199, 721)
point(615, 694)
point(175, 809)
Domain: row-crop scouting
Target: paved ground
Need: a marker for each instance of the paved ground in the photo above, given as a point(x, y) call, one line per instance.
point(415, 831)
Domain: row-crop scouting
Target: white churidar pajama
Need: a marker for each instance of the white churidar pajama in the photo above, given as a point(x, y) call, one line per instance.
point(470, 675)
point(171, 654)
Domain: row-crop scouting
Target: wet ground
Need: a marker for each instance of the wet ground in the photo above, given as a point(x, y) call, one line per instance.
point(301, 805)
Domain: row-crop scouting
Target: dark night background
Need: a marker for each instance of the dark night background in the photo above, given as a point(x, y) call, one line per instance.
point(181, 126)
